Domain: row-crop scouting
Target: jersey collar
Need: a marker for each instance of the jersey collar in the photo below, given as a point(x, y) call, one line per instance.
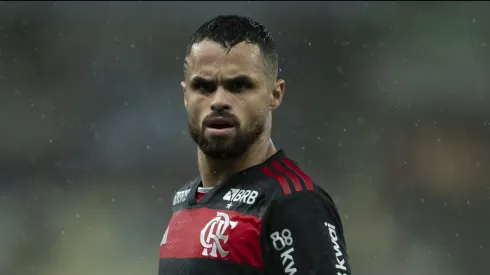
point(191, 198)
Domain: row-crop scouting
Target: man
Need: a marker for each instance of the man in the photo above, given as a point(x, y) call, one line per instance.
point(252, 210)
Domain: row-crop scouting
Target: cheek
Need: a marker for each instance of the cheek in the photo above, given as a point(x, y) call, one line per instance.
point(195, 110)
point(253, 112)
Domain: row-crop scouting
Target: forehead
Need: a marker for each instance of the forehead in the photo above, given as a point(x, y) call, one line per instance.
point(210, 59)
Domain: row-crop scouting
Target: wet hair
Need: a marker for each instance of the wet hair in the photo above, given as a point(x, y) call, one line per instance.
point(230, 30)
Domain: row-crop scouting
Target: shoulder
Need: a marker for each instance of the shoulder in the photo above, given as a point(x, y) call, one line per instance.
point(180, 194)
point(189, 184)
point(292, 190)
point(286, 179)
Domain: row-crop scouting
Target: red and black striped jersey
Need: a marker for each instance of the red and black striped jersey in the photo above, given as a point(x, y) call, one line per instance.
point(268, 219)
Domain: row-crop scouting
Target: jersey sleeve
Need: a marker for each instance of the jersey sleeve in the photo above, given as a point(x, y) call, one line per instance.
point(304, 236)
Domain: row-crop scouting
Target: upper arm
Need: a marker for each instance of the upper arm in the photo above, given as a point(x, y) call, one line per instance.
point(304, 236)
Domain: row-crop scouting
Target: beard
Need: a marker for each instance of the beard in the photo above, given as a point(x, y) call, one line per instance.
point(227, 147)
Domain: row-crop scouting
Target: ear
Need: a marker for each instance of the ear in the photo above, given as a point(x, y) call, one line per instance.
point(277, 94)
point(183, 85)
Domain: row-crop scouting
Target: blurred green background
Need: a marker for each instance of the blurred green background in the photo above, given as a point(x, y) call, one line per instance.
point(387, 106)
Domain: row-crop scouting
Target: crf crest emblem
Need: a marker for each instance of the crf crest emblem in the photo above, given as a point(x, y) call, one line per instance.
point(213, 235)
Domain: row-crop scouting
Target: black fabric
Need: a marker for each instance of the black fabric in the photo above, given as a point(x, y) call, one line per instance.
point(300, 233)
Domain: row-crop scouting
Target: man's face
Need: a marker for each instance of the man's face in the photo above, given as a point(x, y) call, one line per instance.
point(228, 97)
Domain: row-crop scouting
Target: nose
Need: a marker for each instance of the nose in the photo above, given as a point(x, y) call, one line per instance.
point(221, 101)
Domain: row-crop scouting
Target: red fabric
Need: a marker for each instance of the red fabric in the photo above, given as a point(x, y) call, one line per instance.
point(290, 164)
point(290, 175)
point(192, 233)
point(199, 195)
point(282, 181)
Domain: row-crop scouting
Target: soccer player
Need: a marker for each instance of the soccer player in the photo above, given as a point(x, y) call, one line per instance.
point(252, 210)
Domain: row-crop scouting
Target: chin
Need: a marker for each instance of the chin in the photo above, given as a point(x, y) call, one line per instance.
point(222, 154)
point(221, 144)
point(222, 148)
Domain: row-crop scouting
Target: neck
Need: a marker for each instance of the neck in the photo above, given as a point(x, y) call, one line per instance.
point(214, 172)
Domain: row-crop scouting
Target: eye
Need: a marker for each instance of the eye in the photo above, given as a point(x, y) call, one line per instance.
point(204, 86)
point(238, 85)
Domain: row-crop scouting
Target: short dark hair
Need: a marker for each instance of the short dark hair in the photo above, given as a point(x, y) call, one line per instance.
point(230, 30)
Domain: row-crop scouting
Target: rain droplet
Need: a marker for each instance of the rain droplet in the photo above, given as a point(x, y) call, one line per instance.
point(339, 69)
point(113, 200)
point(132, 46)
point(422, 200)
point(50, 141)
point(303, 148)
point(147, 147)
point(78, 215)
point(468, 202)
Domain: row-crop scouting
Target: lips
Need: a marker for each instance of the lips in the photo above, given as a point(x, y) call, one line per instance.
point(220, 123)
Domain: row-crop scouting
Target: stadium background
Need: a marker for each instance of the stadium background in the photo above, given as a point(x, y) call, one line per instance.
point(387, 106)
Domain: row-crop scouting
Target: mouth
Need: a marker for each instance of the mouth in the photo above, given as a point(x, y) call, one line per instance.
point(220, 125)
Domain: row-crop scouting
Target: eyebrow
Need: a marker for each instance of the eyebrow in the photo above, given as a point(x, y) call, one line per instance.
point(197, 79)
point(243, 78)
point(200, 79)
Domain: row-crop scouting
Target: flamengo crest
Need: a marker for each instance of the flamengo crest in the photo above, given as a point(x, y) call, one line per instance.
point(214, 232)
